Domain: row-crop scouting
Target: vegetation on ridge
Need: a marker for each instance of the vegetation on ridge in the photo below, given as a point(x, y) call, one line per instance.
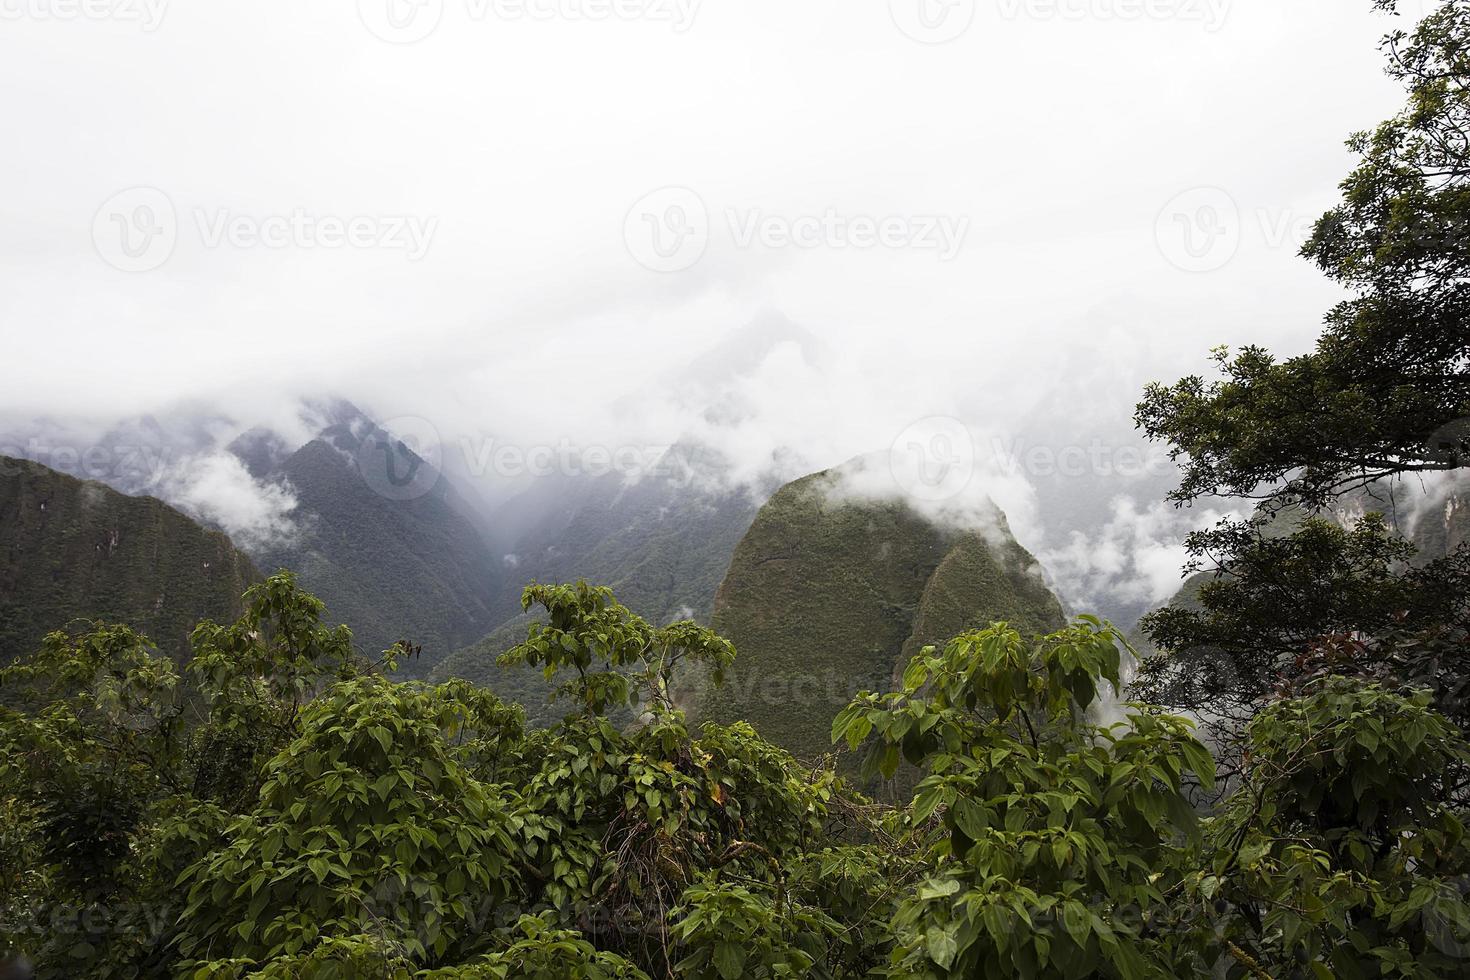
point(828, 595)
point(75, 550)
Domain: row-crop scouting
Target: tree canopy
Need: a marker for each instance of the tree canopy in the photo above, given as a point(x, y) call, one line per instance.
point(285, 809)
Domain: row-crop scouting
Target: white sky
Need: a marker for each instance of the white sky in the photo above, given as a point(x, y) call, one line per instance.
point(522, 143)
point(1060, 140)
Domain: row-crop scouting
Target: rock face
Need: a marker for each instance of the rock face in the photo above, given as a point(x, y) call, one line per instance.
point(74, 550)
point(1443, 524)
point(829, 595)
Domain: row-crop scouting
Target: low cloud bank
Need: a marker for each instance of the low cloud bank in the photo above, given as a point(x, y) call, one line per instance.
point(217, 489)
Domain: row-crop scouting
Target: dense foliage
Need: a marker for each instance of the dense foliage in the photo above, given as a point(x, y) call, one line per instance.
point(284, 809)
point(1323, 599)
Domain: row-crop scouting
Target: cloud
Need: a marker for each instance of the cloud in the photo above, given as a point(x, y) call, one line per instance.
point(217, 489)
point(529, 321)
point(1136, 558)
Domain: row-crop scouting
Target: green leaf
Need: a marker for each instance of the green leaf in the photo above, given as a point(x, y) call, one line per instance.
point(941, 946)
point(384, 737)
point(970, 818)
point(1077, 922)
point(730, 960)
point(925, 805)
point(938, 888)
point(1202, 763)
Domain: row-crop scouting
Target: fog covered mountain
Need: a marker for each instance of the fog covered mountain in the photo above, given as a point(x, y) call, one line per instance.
point(428, 529)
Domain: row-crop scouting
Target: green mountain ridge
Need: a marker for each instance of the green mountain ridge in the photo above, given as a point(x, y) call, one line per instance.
point(828, 596)
point(414, 569)
point(79, 550)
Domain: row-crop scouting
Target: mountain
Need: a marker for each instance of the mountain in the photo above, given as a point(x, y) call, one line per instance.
point(367, 520)
point(828, 594)
point(710, 377)
point(385, 540)
point(1444, 527)
point(662, 539)
point(131, 455)
point(662, 542)
point(72, 550)
point(984, 578)
point(263, 452)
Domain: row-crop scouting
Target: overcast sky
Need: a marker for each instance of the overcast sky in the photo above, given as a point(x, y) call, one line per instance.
point(515, 216)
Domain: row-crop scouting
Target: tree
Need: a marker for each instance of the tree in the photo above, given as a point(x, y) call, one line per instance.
point(369, 823)
point(297, 813)
point(1048, 842)
point(1384, 396)
point(1387, 388)
point(89, 744)
point(419, 832)
point(123, 772)
point(1340, 852)
point(620, 660)
point(1321, 599)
